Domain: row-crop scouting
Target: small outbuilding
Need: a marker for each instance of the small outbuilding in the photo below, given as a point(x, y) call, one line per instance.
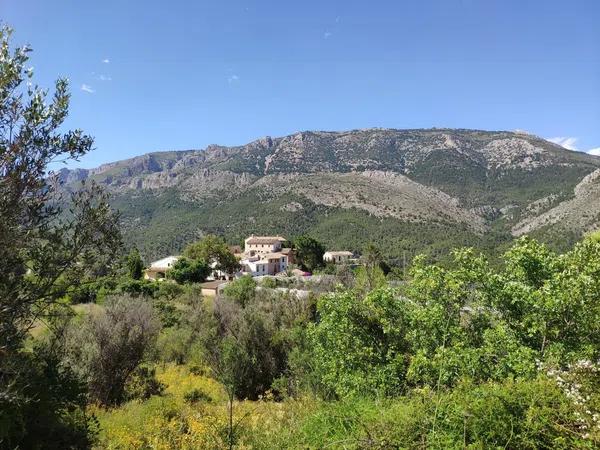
point(337, 257)
point(212, 288)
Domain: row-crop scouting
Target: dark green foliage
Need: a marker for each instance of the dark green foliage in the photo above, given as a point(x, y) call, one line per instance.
point(195, 396)
point(211, 249)
point(47, 253)
point(53, 414)
point(142, 384)
point(189, 271)
point(169, 291)
point(351, 229)
point(136, 288)
point(263, 330)
point(135, 265)
point(309, 252)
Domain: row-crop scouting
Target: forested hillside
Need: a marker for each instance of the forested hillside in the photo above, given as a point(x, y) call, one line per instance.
point(412, 190)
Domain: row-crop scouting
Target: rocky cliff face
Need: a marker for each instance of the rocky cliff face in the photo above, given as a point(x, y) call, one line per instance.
point(473, 180)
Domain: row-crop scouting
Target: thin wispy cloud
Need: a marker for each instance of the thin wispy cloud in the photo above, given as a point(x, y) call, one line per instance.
point(106, 61)
point(233, 79)
point(570, 143)
point(327, 35)
point(87, 88)
point(102, 77)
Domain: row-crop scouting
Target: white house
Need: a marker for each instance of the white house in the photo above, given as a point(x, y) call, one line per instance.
point(158, 269)
point(265, 255)
point(341, 257)
point(268, 264)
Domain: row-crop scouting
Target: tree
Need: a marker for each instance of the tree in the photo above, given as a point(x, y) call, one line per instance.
point(241, 290)
point(110, 345)
point(371, 256)
point(309, 252)
point(211, 249)
point(189, 271)
point(230, 364)
point(50, 241)
point(359, 346)
point(135, 265)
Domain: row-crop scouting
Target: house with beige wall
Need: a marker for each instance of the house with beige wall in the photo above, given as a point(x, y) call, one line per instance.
point(337, 257)
point(265, 255)
point(263, 244)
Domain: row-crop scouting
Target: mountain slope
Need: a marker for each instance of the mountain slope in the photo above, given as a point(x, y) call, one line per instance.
point(410, 189)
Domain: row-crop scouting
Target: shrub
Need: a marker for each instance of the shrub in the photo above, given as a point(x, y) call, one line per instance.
point(242, 290)
point(137, 288)
point(142, 384)
point(269, 282)
point(173, 345)
point(108, 346)
point(195, 396)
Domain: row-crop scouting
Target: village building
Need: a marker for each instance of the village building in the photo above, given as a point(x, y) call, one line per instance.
point(338, 257)
point(263, 244)
point(212, 288)
point(265, 255)
point(158, 269)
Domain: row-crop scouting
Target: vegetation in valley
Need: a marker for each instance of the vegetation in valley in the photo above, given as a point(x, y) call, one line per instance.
point(464, 356)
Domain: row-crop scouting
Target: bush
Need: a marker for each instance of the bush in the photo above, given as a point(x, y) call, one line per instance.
point(108, 346)
point(173, 345)
point(242, 290)
point(143, 384)
point(195, 396)
point(137, 288)
point(269, 283)
point(169, 290)
point(54, 417)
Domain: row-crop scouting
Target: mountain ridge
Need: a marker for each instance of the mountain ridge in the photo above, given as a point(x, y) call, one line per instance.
point(485, 182)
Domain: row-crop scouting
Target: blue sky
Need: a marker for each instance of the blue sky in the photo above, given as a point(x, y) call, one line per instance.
point(161, 75)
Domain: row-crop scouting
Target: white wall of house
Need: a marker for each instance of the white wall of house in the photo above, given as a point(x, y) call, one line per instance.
point(261, 265)
point(337, 257)
point(158, 269)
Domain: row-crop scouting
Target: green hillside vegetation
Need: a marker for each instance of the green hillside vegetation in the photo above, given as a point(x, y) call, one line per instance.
point(149, 219)
point(464, 356)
